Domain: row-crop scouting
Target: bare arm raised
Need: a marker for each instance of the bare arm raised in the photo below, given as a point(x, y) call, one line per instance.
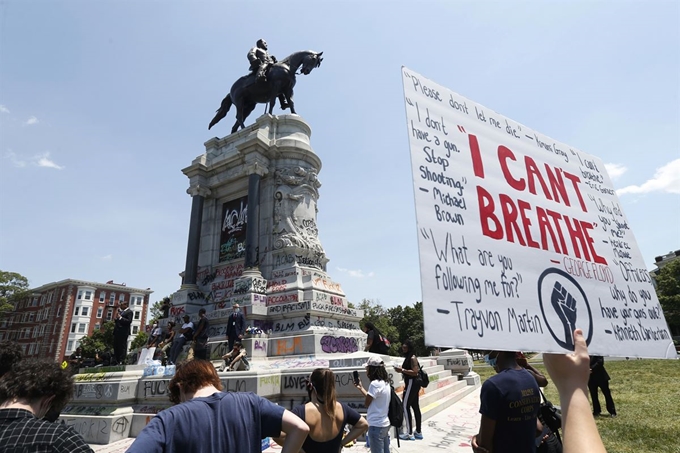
point(570, 374)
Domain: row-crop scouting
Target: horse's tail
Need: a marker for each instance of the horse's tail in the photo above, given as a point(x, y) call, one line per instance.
point(222, 111)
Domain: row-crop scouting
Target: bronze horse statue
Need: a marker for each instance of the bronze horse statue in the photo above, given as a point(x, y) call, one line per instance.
point(247, 91)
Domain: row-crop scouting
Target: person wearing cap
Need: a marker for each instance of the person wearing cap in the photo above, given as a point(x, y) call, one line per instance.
point(236, 326)
point(377, 402)
point(185, 334)
point(236, 360)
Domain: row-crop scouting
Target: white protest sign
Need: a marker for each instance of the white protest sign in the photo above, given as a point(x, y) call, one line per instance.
point(521, 237)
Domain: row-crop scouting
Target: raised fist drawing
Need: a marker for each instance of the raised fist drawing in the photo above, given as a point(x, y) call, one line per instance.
point(565, 306)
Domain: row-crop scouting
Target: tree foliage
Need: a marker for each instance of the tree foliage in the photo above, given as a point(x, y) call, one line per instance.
point(397, 323)
point(100, 340)
point(140, 340)
point(13, 287)
point(668, 291)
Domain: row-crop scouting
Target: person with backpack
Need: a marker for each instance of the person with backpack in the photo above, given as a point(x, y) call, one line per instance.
point(410, 370)
point(376, 342)
point(377, 403)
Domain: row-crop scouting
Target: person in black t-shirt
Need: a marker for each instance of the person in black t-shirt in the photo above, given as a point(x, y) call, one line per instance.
point(374, 342)
point(201, 336)
point(510, 402)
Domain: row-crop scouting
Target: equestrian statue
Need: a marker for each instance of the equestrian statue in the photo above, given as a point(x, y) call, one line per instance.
point(268, 80)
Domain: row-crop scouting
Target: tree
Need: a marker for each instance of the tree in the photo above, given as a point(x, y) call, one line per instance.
point(13, 288)
point(379, 316)
point(408, 322)
point(100, 340)
point(668, 291)
point(139, 341)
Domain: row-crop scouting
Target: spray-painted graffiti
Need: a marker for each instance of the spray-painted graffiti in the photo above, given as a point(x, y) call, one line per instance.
point(330, 344)
point(288, 308)
point(286, 298)
point(334, 308)
point(288, 346)
point(177, 311)
point(260, 345)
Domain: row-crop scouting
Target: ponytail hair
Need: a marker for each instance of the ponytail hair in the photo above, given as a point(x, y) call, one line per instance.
point(323, 381)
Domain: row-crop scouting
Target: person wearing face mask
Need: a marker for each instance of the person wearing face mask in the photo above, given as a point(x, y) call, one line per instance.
point(236, 326)
point(27, 393)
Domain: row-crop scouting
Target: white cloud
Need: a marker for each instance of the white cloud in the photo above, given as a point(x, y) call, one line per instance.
point(665, 179)
point(3, 109)
point(107, 257)
point(615, 171)
point(16, 160)
point(355, 273)
point(31, 121)
point(43, 160)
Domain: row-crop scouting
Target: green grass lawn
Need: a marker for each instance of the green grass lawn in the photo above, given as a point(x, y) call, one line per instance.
point(647, 397)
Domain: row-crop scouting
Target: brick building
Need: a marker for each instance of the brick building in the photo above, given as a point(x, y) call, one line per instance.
point(50, 322)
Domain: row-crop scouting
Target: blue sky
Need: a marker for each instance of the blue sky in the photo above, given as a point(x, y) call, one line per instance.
point(102, 103)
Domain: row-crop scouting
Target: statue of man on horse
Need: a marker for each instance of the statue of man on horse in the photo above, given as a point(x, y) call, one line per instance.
point(260, 60)
point(268, 80)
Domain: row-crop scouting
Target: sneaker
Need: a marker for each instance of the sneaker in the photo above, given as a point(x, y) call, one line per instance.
point(418, 435)
point(406, 436)
point(596, 414)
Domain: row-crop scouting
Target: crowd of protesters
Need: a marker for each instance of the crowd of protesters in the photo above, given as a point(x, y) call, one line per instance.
point(33, 393)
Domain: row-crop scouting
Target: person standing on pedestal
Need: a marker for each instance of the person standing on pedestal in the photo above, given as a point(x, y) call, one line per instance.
point(201, 336)
point(185, 334)
point(236, 326)
point(121, 332)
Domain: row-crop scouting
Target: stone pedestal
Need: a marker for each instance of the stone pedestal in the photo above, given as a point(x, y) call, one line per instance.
point(273, 265)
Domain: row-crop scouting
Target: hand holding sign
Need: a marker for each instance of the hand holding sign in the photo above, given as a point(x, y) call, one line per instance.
point(565, 306)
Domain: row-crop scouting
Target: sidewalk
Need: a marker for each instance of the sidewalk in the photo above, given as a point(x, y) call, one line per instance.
point(448, 431)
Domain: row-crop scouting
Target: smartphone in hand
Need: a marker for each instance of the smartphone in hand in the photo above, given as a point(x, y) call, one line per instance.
point(356, 377)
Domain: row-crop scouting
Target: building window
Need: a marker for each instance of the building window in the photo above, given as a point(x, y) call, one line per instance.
point(31, 348)
point(58, 312)
point(82, 328)
point(109, 313)
point(61, 298)
point(100, 311)
point(54, 330)
point(85, 311)
point(102, 296)
point(112, 298)
point(137, 315)
point(69, 346)
point(31, 317)
point(76, 312)
point(35, 302)
point(97, 326)
point(135, 329)
point(80, 294)
point(73, 327)
point(88, 295)
point(42, 329)
point(121, 298)
point(36, 329)
point(51, 347)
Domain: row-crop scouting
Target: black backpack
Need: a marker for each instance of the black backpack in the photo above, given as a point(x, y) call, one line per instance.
point(423, 378)
point(395, 411)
